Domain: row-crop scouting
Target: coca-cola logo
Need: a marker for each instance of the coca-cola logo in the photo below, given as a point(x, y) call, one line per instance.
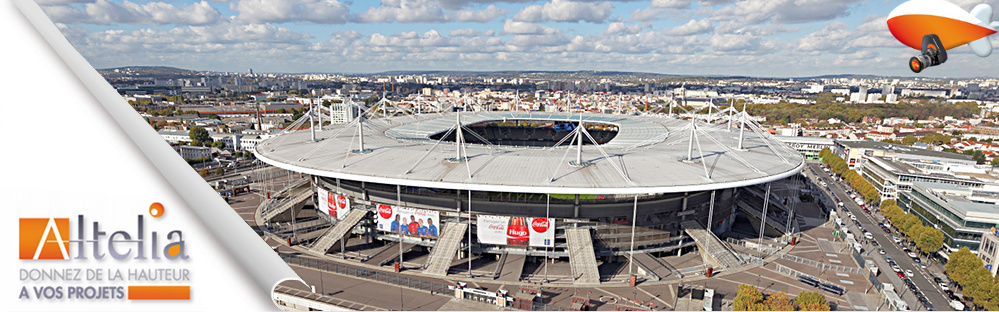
point(539, 225)
point(341, 201)
point(516, 233)
point(384, 211)
point(497, 227)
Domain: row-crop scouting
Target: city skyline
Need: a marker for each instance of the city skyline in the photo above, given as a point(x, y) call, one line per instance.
point(792, 38)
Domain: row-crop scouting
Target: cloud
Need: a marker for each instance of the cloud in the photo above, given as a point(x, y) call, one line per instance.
point(671, 4)
point(693, 27)
point(620, 28)
point(104, 12)
point(468, 32)
point(648, 14)
point(522, 28)
point(480, 16)
point(290, 11)
point(566, 11)
point(784, 11)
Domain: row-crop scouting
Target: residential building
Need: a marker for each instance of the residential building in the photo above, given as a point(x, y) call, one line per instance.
point(341, 113)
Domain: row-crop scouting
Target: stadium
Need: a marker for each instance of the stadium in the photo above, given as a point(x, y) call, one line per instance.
point(567, 187)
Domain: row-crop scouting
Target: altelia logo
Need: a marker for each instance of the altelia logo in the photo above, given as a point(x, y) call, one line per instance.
point(385, 211)
point(48, 239)
point(44, 239)
point(539, 225)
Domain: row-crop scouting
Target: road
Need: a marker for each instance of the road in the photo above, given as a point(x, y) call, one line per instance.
point(922, 280)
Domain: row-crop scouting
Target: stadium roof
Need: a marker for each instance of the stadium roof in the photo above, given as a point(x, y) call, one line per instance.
point(646, 156)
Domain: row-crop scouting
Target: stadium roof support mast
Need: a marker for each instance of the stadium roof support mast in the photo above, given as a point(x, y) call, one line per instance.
point(742, 127)
point(579, 144)
point(312, 125)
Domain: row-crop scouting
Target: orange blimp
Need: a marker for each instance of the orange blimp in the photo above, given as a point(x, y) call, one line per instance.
point(935, 26)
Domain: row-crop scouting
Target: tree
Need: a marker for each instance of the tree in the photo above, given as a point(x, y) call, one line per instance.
point(220, 171)
point(979, 157)
point(909, 140)
point(203, 172)
point(214, 116)
point(930, 240)
point(811, 301)
point(779, 302)
point(995, 162)
point(201, 135)
point(218, 144)
point(747, 298)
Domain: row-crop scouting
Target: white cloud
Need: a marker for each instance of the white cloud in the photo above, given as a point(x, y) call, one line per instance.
point(285, 11)
point(567, 11)
point(105, 12)
point(620, 28)
point(648, 14)
point(693, 27)
point(404, 11)
point(54, 2)
point(783, 11)
point(672, 4)
point(468, 32)
point(521, 28)
point(480, 16)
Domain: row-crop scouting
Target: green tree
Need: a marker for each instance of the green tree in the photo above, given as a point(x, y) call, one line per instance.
point(909, 140)
point(203, 172)
point(218, 144)
point(219, 171)
point(979, 157)
point(214, 116)
point(995, 162)
point(748, 298)
point(201, 135)
point(811, 301)
point(930, 240)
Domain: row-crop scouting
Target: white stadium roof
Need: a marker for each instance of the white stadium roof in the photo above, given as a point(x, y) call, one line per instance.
point(646, 156)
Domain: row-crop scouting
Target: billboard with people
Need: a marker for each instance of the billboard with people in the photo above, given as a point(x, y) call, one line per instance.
point(408, 221)
point(332, 204)
point(516, 231)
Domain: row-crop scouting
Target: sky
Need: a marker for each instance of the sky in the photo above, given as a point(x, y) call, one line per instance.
point(761, 38)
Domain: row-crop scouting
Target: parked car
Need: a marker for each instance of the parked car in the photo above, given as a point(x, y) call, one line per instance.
point(909, 273)
point(881, 251)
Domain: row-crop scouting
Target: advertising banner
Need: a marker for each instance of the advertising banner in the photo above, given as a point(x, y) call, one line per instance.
point(335, 205)
point(408, 221)
point(516, 231)
point(322, 200)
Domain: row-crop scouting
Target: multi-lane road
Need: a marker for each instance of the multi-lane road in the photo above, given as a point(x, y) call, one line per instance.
point(922, 279)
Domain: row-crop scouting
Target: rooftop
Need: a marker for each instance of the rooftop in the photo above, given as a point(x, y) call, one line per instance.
point(645, 156)
point(959, 197)
point(903, 149)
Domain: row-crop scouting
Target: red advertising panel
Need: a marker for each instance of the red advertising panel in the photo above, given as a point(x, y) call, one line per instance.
point(516, 231)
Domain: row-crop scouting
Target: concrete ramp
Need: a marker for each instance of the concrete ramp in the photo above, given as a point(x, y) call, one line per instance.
point(284, 205)
point(712, 249)
point(337, 232)
point(582, 259)
point(512, 268)
point(444, 249)
point(654, 268)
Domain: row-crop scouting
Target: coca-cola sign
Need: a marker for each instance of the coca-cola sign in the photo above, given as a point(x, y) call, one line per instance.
point(341, 201)
point(385, 211)
point(539, 225)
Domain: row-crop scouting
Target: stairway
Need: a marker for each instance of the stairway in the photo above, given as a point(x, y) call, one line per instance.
point(716, 252)
point(443, 252)
point(335, 234)
point(284, 205)
point(582, 259)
